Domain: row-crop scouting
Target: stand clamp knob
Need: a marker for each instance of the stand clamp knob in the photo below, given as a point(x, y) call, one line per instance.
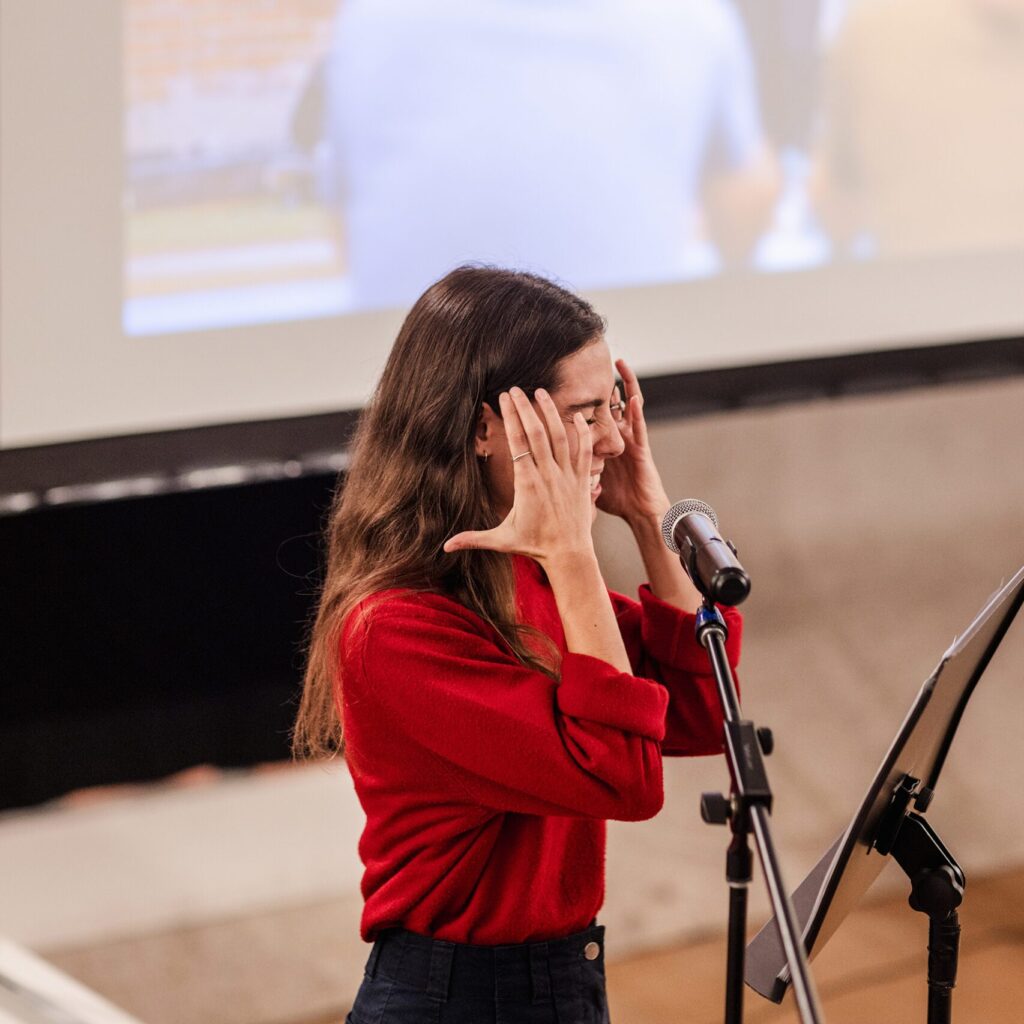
point(936, 892)
point(715, 808)
point(766, 739)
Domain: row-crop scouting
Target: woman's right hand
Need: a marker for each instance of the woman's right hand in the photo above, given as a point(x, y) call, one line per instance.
point(551, 512)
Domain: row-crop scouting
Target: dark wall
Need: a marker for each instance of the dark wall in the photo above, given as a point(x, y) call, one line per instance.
point(146, 636)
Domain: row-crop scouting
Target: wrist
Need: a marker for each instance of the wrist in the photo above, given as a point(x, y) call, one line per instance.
point(665, 573)
point(569, 562)
point(647, 522)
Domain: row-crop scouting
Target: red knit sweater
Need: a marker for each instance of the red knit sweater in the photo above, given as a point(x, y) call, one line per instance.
point(486, 784)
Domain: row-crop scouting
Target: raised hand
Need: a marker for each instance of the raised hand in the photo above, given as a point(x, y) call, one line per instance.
point(631, 486)
point(550, 516)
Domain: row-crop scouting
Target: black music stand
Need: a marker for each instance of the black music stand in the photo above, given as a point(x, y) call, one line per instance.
point(885, 824)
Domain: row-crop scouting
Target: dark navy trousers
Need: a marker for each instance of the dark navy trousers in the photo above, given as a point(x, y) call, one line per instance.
point(413, 979)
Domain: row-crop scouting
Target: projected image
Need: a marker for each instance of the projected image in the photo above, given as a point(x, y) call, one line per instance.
point(289, 159)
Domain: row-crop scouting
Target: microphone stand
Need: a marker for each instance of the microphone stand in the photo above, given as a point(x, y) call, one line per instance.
point(747, 809)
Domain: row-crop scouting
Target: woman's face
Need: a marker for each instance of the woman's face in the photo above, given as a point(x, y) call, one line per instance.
point(587, 386)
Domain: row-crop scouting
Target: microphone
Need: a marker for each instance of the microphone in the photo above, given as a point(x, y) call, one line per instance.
point(690, 529)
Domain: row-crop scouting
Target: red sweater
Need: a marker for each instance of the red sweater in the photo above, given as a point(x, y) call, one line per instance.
point(486, 784)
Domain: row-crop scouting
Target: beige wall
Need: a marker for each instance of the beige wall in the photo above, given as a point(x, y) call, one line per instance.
point(874, 529)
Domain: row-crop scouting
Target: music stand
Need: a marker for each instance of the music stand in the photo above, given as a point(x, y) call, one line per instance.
point(884, 823)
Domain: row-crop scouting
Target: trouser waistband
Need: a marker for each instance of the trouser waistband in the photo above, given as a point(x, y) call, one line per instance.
point(513, 973)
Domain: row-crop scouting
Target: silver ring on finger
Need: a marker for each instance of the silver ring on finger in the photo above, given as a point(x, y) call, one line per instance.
point(521, 455)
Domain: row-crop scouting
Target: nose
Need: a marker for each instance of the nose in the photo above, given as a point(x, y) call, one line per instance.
point(609, 443)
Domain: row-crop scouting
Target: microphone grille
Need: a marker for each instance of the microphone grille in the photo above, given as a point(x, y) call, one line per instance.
point(684, 508)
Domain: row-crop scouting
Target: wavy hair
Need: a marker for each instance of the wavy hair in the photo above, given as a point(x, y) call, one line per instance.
point(414, 479)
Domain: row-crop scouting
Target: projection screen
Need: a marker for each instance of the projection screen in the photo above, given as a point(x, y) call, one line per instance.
point(217, 211)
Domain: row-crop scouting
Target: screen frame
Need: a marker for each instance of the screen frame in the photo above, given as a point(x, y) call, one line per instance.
point(112, 407)
point(236, 453)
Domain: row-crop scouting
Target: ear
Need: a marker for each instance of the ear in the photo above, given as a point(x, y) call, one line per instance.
point(488, 430)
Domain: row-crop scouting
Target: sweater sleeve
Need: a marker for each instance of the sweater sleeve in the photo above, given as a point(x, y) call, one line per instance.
point(420, 668)
point(661, 643)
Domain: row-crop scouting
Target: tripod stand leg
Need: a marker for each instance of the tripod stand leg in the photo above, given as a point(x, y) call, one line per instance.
point(739, 864)
point(737, 942)
point(943, 949)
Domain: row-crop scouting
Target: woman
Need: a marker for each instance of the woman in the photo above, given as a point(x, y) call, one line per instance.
point(498, 703)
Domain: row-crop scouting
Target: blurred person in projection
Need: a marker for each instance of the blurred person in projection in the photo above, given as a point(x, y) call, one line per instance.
point(605, 144)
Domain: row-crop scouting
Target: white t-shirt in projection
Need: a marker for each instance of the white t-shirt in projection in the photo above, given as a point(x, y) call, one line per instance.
point(563, 136)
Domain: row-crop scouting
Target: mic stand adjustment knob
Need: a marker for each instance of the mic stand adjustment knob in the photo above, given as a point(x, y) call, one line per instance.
point(715, 808)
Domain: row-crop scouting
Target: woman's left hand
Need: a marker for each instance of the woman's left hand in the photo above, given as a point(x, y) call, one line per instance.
point(631, 486)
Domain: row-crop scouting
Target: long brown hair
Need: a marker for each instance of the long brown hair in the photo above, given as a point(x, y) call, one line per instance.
point(414, 480)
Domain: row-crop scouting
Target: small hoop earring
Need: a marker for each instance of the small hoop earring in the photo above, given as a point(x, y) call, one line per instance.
point(484, 457)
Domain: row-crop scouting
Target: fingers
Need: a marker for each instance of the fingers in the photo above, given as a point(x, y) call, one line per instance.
point(536, 435)
point(634, 415)
point(490, 540)
point(549, 444)
point(515, 433)
point(546, 439)
point(585, 448)
point(635, 411)
point(556, 430)
point(631, 384)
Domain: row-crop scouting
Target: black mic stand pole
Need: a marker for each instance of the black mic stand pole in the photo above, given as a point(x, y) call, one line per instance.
point(747, 809)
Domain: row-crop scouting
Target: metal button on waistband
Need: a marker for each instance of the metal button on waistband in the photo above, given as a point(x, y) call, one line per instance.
point(591, 950)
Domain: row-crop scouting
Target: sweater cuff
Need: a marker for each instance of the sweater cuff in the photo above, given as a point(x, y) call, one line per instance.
point(591, 689)
point(668, 634)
